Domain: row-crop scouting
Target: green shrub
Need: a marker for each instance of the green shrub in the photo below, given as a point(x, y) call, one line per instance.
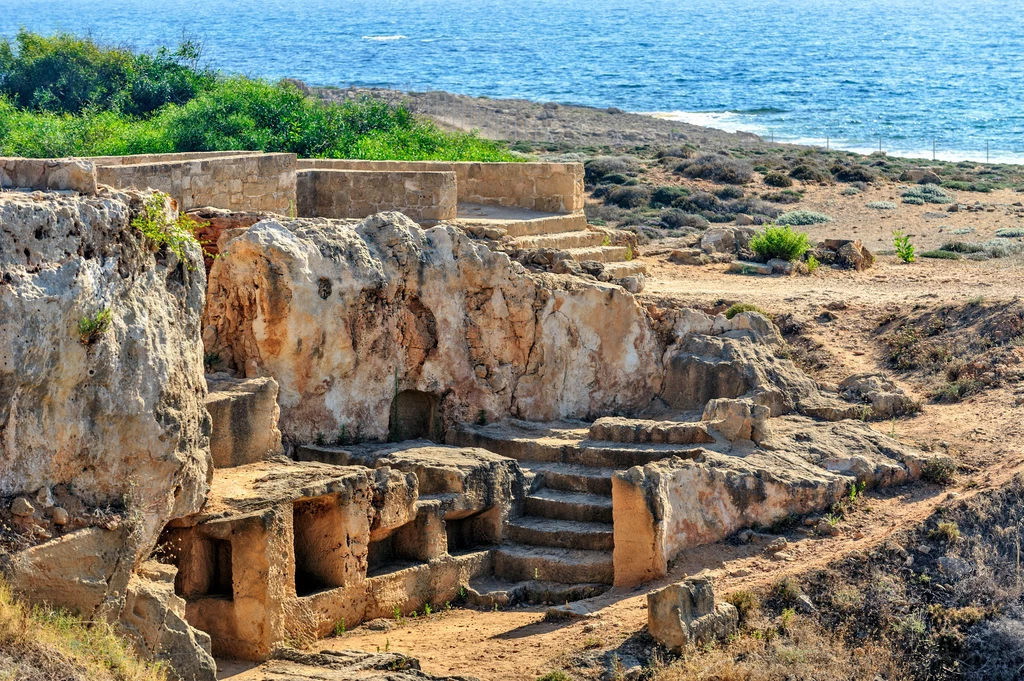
point(743, 307)
point(1010, 232)
point(718, 168)
point(685, 151)
point(154, 224)
point(881, 205)
point(777, 179)
point(850, 191)
point(91, 327)
point(746, 602)
point(806, 172)
point(939, 254)
point(666, 196)
point(780, 241)
point(731, 192)
point(853, 173)
point(67, 74)
point(785, 196)
point(938, 470)
point(597, 168)
point(904, 249)
point(673, 218)
point(993, 248)
point(802, 217)
point(925, 193)
point(556, 675)
point(615, 178)
point(629, 197)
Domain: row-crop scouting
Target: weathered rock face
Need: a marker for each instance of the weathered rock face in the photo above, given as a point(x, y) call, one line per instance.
point(117, 413)
point(685, 614)
point(155, 617)
point(385, 326)
point(244, 413)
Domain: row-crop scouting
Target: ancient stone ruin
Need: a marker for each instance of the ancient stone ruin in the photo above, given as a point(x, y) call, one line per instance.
point(397, 384)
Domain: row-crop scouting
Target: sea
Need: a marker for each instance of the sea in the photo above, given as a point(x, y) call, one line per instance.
point(912, 77)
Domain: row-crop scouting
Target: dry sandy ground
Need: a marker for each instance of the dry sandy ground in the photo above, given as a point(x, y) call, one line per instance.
point(985, 432)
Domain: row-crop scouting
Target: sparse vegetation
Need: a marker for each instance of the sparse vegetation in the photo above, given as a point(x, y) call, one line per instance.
point(802, 217)
point(925, 193)
point(156, 226)
point(939, 254)
point(42, 643)
point(718, 168)
point(1010, 232)
point(629, 197)
point(940, 471)
point(777, 241)
point(945, 531)
point(92, 327)
point(776, 179)
point(743, 307)
point(881, 205)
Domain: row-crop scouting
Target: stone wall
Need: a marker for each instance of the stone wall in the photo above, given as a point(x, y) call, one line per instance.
point(48, 174)
point(425, 197)
point(251, 182)
point(546, 187)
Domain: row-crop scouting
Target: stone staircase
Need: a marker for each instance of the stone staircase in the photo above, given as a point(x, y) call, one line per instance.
point(566, 533)
point(545, 238)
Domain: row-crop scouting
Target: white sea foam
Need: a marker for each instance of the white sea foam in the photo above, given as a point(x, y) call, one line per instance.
point(384, 38)
point(729, 121)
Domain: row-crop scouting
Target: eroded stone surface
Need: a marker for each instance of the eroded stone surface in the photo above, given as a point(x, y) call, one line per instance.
point(685, 615)
point(347, 318)
point(118, 413)
point(244, 416)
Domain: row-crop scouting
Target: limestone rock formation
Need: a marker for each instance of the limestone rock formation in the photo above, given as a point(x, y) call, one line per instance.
point(685, 614)
point(244, 416)
point(155, 617)
point(362, 325)
point(101, 382)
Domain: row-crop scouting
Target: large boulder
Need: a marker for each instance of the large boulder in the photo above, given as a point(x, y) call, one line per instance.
point(382, 328)
point(244, 413)
point(101, 363)
point(685, 615)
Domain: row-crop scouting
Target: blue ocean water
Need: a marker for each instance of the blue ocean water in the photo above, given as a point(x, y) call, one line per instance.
point(907, 72)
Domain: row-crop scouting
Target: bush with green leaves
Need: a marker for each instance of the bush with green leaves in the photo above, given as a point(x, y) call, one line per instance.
point(904, 249)
point(939, 254)
point(853, 173)
point(808, 172)
point(629, 197)
point(802, 217)
point(777, 179)
point(881, 205)
point(784, 196)
point(67, 96)
point(729, 192)
point(64, 73)
point(779, 241)
point(743, 307)
point(596, 168)
point(668, 195)
point(673, 218)
point(925, 193)
point(1010, 232)
point(176, 235)
point(993, 248)
point(718, 168)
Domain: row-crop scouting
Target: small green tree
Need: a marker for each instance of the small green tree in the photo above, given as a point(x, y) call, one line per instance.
point(780, 241)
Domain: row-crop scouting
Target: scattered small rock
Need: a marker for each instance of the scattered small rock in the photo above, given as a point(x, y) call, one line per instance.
point(59, 515)
point(22, 507)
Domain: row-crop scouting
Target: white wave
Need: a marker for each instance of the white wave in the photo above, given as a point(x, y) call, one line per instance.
point(384, 38)
point(727, 121)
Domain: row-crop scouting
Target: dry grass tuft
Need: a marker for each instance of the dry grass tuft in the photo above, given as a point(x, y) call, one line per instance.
point(42, 644)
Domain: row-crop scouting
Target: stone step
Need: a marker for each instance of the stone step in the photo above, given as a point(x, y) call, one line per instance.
point(521, 223)
point(559, 240)
point(573, 477)
point(603, 254)
point(578, 506)
point(640, 431)
point(568, 566)
point(621, 270)
point(490, 591)
point(562, 534)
